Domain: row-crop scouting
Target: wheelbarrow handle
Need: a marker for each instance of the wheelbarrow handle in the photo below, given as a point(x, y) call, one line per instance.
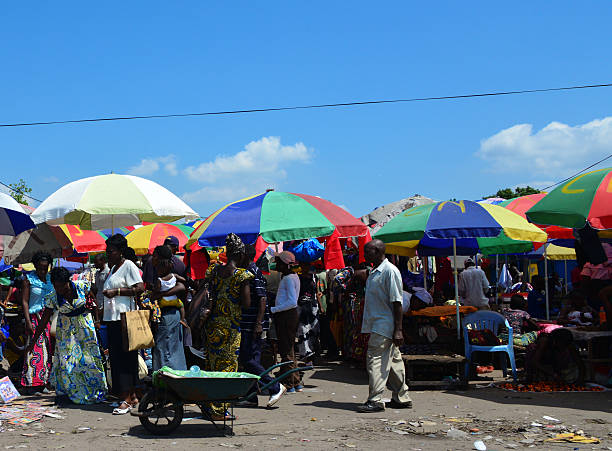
point(279, 378)
point(274, 367)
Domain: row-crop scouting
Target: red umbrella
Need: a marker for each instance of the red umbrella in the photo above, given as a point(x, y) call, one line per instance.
point(520, 205)
point(84, 240)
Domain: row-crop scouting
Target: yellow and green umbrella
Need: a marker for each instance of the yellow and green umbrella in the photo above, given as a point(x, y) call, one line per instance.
point(144, 239)
point(111, 201)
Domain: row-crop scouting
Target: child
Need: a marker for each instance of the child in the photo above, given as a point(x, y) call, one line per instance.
point(168, 349)
point(517, 315)
point(524, 329)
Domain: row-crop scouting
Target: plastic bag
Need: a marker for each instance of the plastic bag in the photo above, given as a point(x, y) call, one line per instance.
point(308, 251)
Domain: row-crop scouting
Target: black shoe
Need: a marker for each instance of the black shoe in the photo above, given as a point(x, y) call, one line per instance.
point(370, 407)
point(393, 404)
point(246, 403)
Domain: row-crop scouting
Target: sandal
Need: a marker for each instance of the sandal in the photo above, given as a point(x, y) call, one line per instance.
point(122, 411)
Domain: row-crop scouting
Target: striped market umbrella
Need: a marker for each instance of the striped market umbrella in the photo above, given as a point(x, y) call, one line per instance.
point(195, 224)
point(586, 198)
point(456, 220)
point(277, 216)
point(144, 239)
point(120, 230)
point(84, 241)
point(520, 205)
point(111, 201)
point(13, 218)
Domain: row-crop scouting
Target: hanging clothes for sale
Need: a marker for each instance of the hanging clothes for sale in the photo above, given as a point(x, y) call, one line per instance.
point(505, 279)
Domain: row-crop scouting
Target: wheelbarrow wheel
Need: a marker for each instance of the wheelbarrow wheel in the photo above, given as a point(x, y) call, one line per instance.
point(160, 414)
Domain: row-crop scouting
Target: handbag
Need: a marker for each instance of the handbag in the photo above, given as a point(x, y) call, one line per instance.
point(136, 330)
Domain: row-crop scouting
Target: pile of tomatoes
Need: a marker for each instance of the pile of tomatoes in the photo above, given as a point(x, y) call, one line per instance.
point(548, 387)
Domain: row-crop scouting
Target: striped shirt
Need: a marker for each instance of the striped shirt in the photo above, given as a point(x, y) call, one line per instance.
point(258, 290)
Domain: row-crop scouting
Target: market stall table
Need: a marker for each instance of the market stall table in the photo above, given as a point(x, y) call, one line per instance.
point(589, 337)
point(437, 357)
point(454, 361)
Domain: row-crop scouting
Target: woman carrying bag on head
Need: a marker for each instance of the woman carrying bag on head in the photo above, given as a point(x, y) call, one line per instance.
point(121, 286)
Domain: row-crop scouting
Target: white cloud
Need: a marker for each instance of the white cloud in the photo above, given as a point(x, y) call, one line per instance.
point(260, 166)
point(263, 157)
point(216, 193)
point(554, 151)
point(51, 179)
point(149, 166)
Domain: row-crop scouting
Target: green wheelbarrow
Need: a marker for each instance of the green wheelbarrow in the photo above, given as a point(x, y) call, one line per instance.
point(161, 408)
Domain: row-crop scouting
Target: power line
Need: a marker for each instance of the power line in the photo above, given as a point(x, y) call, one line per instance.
point(306, 107)
point(579, 172)
point(19, 192)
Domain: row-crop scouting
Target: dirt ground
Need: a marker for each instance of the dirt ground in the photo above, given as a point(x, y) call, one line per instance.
point(324, 417)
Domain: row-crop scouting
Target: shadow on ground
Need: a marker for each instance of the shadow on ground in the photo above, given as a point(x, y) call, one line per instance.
point(339, 372)
point(594, 402)
point(330, 404)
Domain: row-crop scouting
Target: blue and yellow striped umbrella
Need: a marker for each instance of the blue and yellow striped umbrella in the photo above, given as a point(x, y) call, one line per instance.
point(474, 226)
point(450, 224)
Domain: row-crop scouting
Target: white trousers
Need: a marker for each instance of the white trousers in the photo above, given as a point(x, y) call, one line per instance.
point(386, 368)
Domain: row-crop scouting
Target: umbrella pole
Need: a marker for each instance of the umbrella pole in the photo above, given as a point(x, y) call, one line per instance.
point(546, 284)
point(456, 287)
point(496, 277)
point(565, 276)
point(425, 263)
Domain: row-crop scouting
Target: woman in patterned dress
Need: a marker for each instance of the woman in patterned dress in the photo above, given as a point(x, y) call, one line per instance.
point(230, 292)
point(77, 371)
point(36, 286)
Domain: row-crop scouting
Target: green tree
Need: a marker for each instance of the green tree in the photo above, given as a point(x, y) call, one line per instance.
point(20, 191)
point(508, 193)
point(526, 190)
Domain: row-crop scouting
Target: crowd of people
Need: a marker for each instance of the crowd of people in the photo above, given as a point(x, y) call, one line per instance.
point(244, 311)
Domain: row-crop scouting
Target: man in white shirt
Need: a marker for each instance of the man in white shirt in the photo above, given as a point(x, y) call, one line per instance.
point(473, 285)
point(382, 319)
point(286, 315)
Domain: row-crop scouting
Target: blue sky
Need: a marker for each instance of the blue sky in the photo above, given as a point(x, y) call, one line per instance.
point(73, 60)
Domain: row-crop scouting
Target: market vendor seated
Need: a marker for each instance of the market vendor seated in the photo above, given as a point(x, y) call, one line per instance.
point(554, 357)
point(524, 329)
point(577, 311)
point(415, 298)
point(517, 316)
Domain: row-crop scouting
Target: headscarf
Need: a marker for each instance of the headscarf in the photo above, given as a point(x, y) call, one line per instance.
point(233, 245)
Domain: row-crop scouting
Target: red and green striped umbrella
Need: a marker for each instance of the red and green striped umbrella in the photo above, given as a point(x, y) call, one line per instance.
point(586, 198)
point(520, 205)
point(276, 217)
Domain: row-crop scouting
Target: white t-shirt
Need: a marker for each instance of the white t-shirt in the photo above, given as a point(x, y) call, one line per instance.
point(167, 285)
point(287, 294)
point(125, 277)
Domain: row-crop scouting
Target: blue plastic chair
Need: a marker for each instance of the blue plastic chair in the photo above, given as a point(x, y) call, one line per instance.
point(487, 320)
